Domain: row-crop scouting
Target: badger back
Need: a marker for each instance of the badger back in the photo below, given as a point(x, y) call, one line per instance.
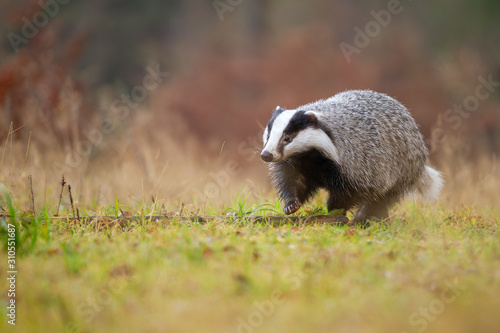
point(377, 139)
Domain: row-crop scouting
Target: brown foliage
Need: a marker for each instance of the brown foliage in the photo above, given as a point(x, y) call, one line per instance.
point(227, 95)
point(35, 82)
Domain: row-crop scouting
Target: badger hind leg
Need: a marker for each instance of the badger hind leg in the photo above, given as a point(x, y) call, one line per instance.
point(375, 210)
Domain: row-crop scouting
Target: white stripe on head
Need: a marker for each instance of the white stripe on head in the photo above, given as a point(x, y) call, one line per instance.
point(310, 138)
point(266, 131)
point(279, 125)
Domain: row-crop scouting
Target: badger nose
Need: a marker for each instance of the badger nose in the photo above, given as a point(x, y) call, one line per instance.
point(266, 156)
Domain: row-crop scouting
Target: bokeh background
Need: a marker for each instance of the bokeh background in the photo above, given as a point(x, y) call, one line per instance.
point(79, 97)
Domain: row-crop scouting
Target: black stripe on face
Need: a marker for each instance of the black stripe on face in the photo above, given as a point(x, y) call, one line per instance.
point(299, 122)
point(275, 115)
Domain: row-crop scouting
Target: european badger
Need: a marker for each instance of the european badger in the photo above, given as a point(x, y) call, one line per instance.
point(363, 147)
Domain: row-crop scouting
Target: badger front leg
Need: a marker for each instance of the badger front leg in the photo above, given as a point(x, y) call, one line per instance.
point(291, 191)
point(294, 192)
point(292, 206)
point(291, 186)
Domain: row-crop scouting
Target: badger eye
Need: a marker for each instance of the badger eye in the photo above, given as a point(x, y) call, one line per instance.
point(287, 139)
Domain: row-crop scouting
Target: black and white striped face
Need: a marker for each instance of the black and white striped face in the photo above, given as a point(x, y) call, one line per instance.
point(291, 132)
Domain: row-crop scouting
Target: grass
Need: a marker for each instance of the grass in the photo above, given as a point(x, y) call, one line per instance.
point(426, 270)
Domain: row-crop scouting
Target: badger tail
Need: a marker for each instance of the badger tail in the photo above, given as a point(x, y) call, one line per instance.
point(430, 184)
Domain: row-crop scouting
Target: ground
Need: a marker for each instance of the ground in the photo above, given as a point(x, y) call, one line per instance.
point(428, 269)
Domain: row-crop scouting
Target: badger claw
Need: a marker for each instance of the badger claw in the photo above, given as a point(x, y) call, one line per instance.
point(292, 206)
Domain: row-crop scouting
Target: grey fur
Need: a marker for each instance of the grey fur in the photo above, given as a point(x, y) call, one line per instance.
point(381, 157)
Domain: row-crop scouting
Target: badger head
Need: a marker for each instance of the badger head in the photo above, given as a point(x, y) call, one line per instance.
point(291, 132)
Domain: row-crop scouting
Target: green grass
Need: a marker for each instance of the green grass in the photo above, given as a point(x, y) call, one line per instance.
point(427, 270)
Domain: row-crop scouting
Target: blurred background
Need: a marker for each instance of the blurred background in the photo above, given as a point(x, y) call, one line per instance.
point(168, 99)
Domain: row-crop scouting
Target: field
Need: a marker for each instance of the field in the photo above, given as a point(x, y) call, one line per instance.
point(430, 268)
point(133, 197)
point(426, 270)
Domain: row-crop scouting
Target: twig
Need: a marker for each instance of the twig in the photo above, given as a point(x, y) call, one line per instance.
point(71, 201)
point(32, 196)
point(60, 195)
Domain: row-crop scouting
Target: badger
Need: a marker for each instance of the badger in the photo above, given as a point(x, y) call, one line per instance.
point(361, 146)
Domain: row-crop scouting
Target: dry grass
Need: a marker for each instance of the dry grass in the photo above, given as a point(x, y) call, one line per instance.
point(133, 167)
point(472, 175)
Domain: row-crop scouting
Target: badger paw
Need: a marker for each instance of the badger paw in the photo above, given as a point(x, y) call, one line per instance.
point(292, 206)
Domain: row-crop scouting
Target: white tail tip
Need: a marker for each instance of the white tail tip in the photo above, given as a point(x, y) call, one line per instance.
point(430, 184)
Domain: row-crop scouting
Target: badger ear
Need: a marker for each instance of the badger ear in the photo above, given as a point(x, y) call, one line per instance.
point(278, 110)
point(312, 118)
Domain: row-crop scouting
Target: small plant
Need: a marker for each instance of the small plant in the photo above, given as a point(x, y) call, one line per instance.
point(26, 228)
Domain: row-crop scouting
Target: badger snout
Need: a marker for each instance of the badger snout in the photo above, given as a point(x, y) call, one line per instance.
point(266, 156)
